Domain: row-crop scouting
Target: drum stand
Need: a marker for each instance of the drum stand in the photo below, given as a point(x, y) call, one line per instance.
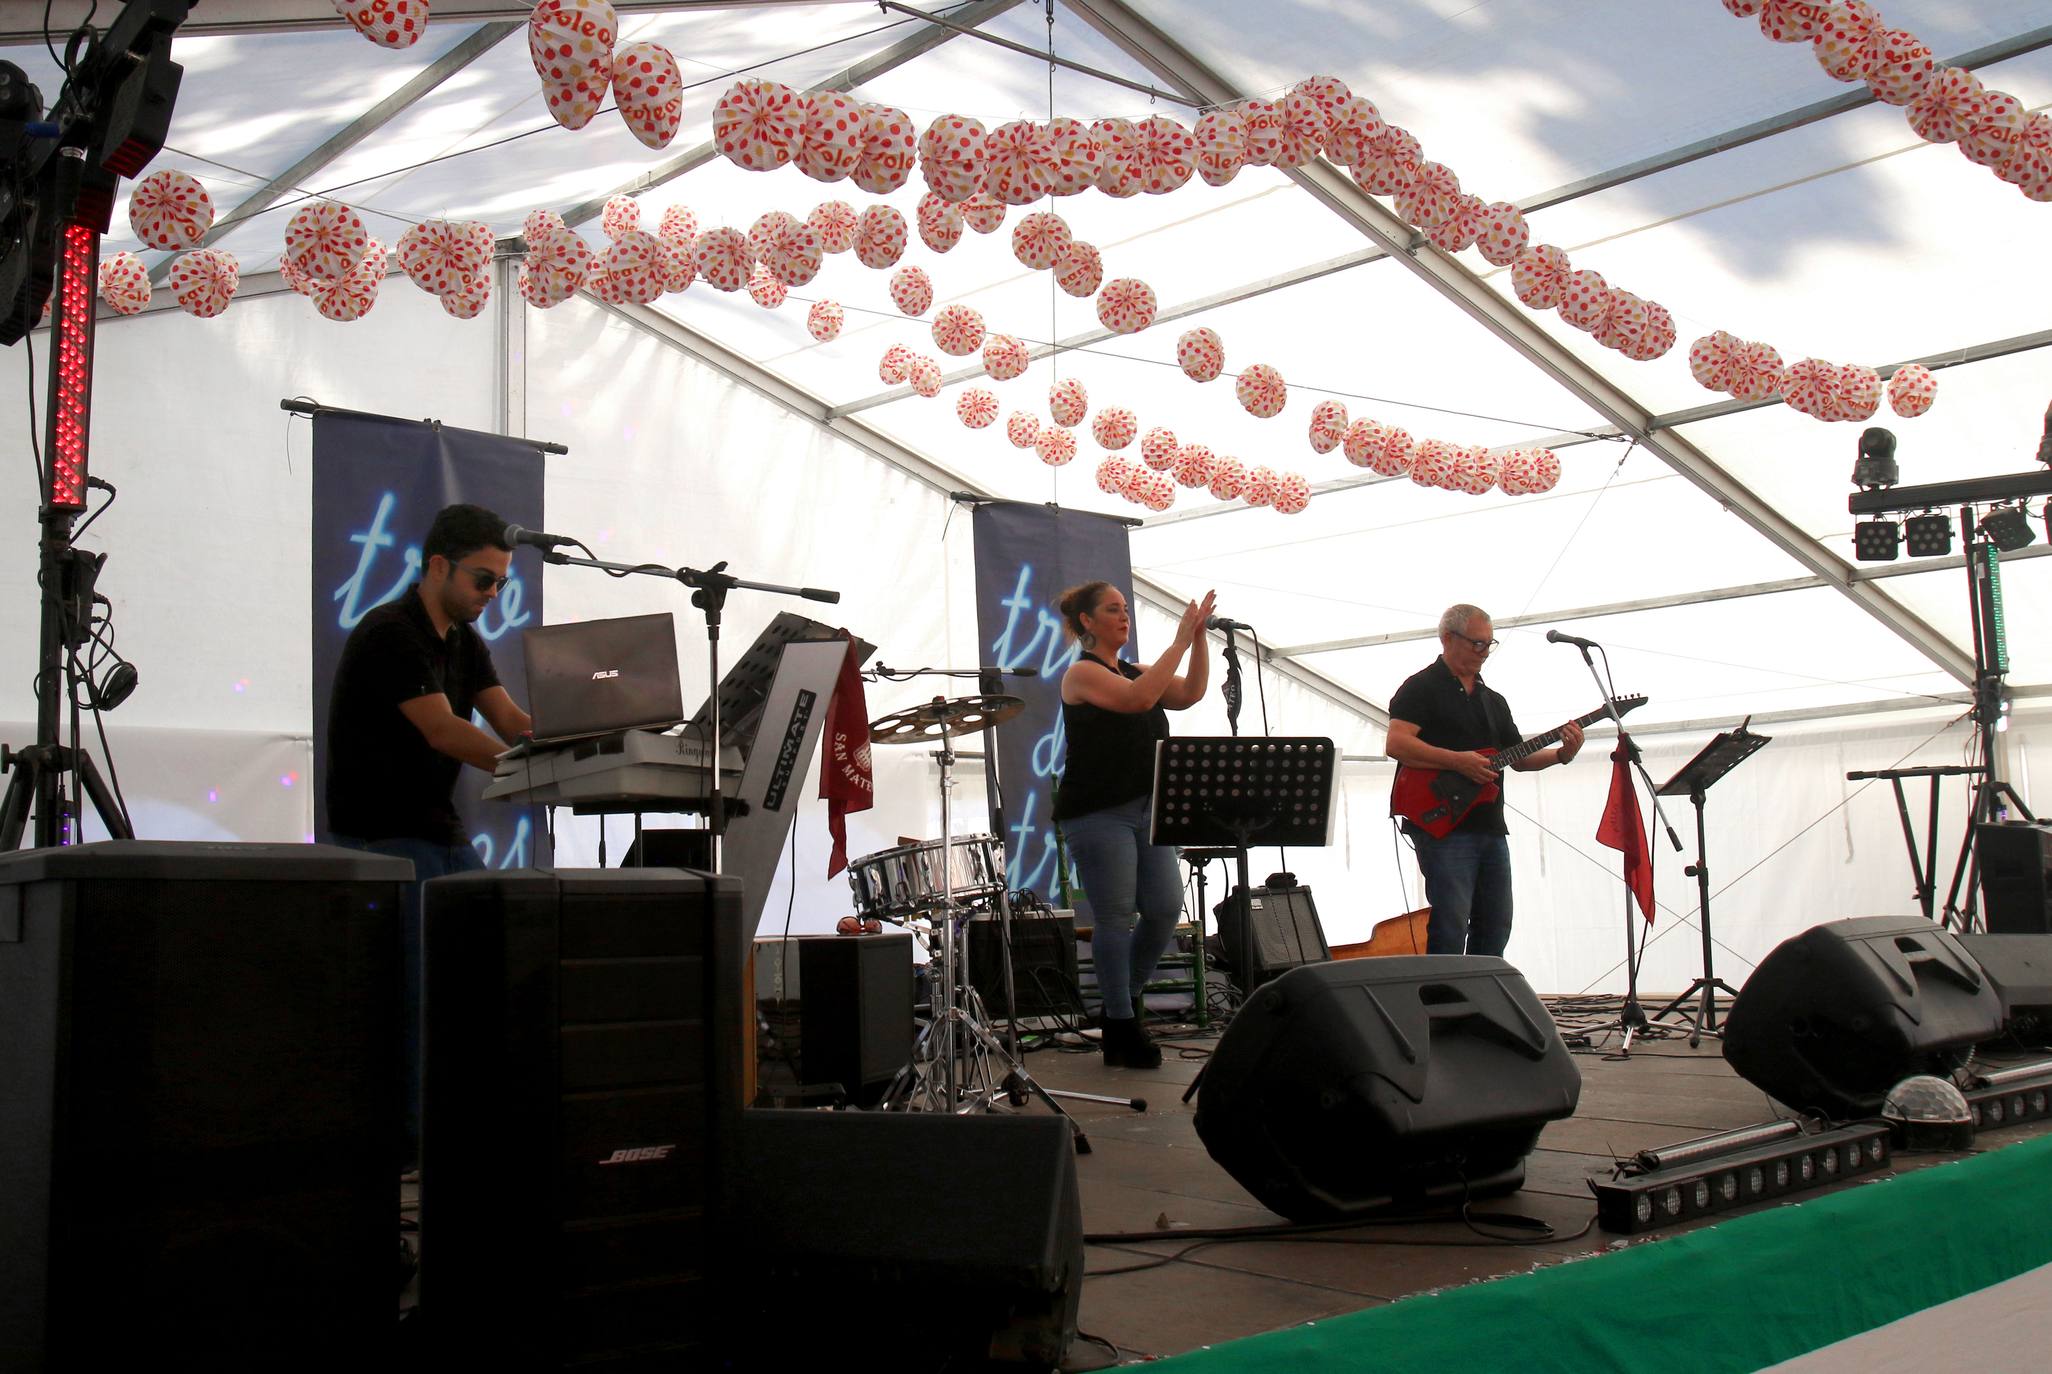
point(959, 1065)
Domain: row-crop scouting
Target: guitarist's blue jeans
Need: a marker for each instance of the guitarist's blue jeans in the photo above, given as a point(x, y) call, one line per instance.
point(1136, 897)
point(1468, 886)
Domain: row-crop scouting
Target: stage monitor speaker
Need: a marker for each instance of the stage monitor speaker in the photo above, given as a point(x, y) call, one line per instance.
point(1043, 964)
point(2020, 969)
point(200, 1105)
point(946, 1241)
point(2016, 877)
point(855, 1011)
point(671, 847)
point(1380, 1084)
point(1835, 1017)
point(581, 1090)
point(1287, 932)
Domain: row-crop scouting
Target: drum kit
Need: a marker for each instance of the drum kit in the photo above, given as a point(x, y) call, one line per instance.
point(959, 1064)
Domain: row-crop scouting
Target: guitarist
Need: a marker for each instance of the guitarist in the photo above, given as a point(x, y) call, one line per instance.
point(1441, 717)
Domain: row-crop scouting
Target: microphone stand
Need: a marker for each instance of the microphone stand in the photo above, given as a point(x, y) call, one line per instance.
point(1633, 1018)
point(709, 593)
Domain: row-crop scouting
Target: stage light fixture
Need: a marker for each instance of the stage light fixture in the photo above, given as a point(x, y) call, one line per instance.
point(2008, 528)
point(1928, 536)
point(71, 371)
point(1637, 1199)
point(1876, 541)
point(1876, 465)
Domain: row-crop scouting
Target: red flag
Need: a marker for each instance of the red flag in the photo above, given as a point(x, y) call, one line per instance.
point(1624, 829)
point(845, 780)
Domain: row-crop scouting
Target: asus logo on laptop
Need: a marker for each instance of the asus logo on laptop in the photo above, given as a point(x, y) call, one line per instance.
point(602, 674)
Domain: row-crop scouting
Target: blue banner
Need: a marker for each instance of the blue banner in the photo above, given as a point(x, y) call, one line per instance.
point(377, 483)
point(1026, 557)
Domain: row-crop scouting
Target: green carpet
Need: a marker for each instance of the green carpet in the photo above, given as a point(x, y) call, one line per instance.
point(1747, 1293)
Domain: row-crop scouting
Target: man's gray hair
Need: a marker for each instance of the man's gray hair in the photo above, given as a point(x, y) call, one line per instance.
point(1454, 620)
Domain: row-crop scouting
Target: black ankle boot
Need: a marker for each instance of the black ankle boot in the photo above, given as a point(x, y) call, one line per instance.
point(1126, 1046)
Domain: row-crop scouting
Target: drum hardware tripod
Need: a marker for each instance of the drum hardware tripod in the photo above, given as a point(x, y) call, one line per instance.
point(955, 1064)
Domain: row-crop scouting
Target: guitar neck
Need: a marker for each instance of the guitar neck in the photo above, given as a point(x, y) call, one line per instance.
point(1537, 742)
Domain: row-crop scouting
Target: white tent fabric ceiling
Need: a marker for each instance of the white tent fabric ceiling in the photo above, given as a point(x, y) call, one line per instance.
point(1844, 238)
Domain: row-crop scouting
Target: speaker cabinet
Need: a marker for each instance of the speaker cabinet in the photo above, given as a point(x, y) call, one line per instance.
point(945, 1240)
point(581, 1088)
point(1373, 1084)
point(855, 1011)
point(1043, 964)
point(200, 1105)
point(1835, 1017)
point(2016, 877)
point(2019, 967)
point(1287, 933)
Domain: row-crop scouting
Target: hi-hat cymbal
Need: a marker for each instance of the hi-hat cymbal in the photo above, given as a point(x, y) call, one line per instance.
point(940, 718)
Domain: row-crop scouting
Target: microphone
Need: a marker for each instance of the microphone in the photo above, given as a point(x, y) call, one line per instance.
point(1560, 637)
point(1219, 622)
point(536, 538)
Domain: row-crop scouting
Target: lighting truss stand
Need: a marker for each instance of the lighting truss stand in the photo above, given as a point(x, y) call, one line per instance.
point(1925, 868)
point(1695, 778)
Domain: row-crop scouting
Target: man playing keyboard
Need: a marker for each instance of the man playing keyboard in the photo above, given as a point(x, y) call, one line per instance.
point(399, 727)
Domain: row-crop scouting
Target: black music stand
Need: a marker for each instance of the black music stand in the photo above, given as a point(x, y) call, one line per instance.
point(1225, 792)
point(1722, 754)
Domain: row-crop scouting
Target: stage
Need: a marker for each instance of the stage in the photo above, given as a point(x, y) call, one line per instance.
point(1149, 1172)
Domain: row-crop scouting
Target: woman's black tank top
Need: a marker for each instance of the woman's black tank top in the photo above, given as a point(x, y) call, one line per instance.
point(1110, 753)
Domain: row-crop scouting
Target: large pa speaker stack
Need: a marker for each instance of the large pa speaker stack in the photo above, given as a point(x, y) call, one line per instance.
point(947, 1241)
point(200, 1105)
point(580, 1101)
point(1835, 1017)
point(1374, 1084)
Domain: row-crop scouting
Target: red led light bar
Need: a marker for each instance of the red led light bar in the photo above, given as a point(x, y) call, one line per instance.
point(71, 367)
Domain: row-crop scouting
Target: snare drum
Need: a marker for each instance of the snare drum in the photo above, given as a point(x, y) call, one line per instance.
point(896, 884)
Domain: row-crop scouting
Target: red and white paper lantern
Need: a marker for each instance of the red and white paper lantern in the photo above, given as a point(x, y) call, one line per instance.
point(1912, 390)
point(1356, 126)
point(1022, 428)
point(763, 287)
point(1857, 395)
point(638, 262)
point(1263, 122)
point(1585, 300)
point(1201, 354)
point(124, 283)
point(925, 376)
point(939, 221)
point(1545, 471)
point(880, 237)
point(976, 408)
point(896, 362)
point(1228, 477)
point(468, 301)
point(1261, 486)
point(1114, 427)
point(1167, 157)
point(387, 23)
point(441, 256)
point(353, 296)
point(830, 140)
point(1159, 449)
point(953, 154)
point(1076, 157)
point(1394, 157)
point(648, 90)
point(1328, 426)
point(1756, 373)
point(1432, 196)
point(1055, 446)
point(1220, 145)
point(1261, 391)
point(1514, 476)
point(325, 240)
point(1068, 401)
point(1432, 463)
point(984, 212)
point(1657, 338)
point(1004, 357)
point(911, 290)
point(834, 221)
point(1079, 271)
point(1125, 305)
point(1945, 107)
point(1121, 170)
point(1020, 162)
point(571, 44)
point(759, 125)
point(1114, 475)
point(1039, 240)
point(890, 147)
point(171, 210)
point(1539, 275)
point(1504, 233)
point(722, 259)
point(824, 320)
point(1292, 494)
point(1899, 66)
point(957, 330)
point(1194, 465)
point(1459, 230)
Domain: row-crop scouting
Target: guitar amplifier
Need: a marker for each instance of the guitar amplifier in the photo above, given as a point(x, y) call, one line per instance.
point(1043, 964)
point(1287, 932)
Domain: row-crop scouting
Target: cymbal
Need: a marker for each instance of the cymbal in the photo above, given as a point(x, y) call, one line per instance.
point(940, 719)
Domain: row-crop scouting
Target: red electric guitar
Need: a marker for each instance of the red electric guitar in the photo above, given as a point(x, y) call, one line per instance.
point(1438, 799)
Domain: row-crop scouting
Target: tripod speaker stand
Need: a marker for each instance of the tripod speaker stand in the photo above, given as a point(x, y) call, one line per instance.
point(1695, 778)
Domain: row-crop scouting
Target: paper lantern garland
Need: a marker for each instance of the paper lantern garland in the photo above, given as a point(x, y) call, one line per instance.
point(325, 240)
point(830, 139)
point(880, 237)
point(1292, 494)
point(571, 44)
point(1228, 478)
point(940, 222)
point(1159, 449)
point(1056, 446)
point(976, 408)
point(1328, 426)
point(1022, 429)
point(925, 376)
point(911, 290)
point(721, 257)
point(387, 23)
point(824, 320)
point(1261, 391)
point(957, 330)
point(889, 150)
point(763, 287)
point(1114, 427)
point(1113, 476)
point(835, 222)
point(1068, 402)
point(1039, 239)
point(1201, 355)
point(648, 90)
point(1126, 305)
point(896, 362)
point(124, 283)
point(953, 154)
point(1194, 466)
point(1079, 270)
point(1912, 390)
point(1004, 357)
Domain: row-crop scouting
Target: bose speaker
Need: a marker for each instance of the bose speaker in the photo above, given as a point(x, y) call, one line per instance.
point(200, 1105)
point(951, 1242)
point(1376, 1084)
point(1835, 1017)
point(581, 1090)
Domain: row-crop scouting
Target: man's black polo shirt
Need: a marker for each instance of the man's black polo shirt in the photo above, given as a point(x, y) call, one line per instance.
point(384, 782)
point(1448, 717)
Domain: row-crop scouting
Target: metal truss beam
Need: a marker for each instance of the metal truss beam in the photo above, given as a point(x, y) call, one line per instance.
point(21, 21)
point(1156, 51)
point(472, 47)
point(1866, 573)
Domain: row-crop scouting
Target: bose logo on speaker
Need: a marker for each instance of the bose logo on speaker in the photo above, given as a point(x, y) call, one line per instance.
point(640, 1154)
point(602, 674)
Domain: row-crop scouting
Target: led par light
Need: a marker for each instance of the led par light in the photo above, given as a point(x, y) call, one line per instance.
point(1740, 1178)
point(1876, 541)
point(1928, 536)
point(2008, 528)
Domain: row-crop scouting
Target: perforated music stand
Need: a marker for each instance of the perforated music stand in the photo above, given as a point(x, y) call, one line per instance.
point(1226, 792)
point(1727, 751)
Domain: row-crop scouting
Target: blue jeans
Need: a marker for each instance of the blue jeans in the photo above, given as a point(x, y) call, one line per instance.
point(1136, 897)
point(430, 860)
point(1468, 886)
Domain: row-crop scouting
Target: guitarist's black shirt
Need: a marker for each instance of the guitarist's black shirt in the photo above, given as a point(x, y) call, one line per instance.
point(1448, 717)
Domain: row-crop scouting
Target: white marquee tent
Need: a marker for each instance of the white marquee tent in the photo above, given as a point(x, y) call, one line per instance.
point(1704, 540)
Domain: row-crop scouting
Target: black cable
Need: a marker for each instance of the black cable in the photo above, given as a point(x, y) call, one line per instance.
point(1323, 1233)
point(102, 485)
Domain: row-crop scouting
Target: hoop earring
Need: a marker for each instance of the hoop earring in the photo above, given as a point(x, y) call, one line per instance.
point(1087, 640)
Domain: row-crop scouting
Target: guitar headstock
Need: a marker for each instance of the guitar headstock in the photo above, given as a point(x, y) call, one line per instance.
point(1631, 703)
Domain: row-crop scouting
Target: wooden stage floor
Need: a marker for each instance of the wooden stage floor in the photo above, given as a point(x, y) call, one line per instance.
point(1148, 1171)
